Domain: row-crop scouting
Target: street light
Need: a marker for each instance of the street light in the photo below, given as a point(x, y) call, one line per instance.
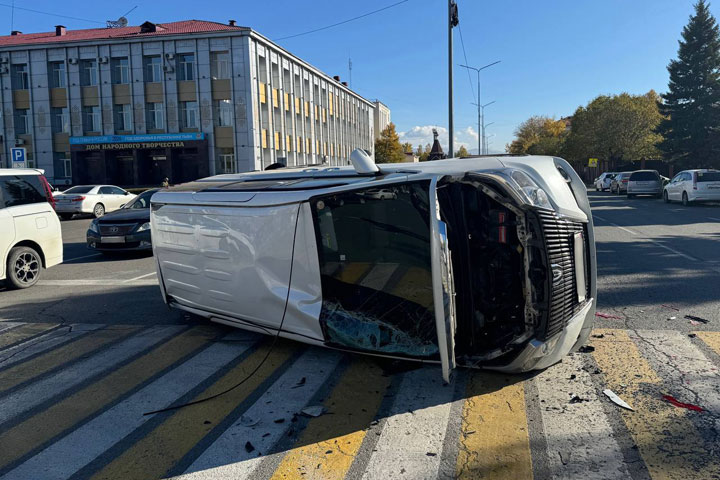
point(481, 130)
point(486, 140)
point(480, 120)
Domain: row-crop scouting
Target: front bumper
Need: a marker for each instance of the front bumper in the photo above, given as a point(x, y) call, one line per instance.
point(132, 242)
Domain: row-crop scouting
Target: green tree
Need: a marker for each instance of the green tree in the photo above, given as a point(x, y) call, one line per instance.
point(425, 153)
point(462, 152)
point(407, 147)
point(419, 150)
point(692, 104)
point(539, 135)
point(387, 146)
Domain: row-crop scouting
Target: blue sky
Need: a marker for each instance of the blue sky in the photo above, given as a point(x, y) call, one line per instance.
point(556, 54)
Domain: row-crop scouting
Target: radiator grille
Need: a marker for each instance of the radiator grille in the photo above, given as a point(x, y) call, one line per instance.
point(116, 228)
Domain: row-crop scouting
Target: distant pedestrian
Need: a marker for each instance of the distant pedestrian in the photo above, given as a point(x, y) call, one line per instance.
point(166, 183)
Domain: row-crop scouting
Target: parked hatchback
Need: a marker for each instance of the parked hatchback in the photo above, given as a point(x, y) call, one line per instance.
point(644, 182)
point(30, 235)
point(693, 186)
point(603, 182)
point(94, 199)
point(619, 183)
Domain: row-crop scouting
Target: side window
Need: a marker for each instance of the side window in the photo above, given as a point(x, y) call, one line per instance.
point(375, 269)
point(105, 191)
point(21, 190)
point(116, 191)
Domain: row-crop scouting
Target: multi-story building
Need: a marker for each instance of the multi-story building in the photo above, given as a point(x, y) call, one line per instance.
point(381, 117)
point(182, 100)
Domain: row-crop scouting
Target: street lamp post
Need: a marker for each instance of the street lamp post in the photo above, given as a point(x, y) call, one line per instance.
point(486, 138)
point(482, 125)
point(480, 119)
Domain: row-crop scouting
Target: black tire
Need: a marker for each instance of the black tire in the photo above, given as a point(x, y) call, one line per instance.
point(685, 200)
point(665, 197)
point(98, 210)
point(66, 216)
point(23, 268)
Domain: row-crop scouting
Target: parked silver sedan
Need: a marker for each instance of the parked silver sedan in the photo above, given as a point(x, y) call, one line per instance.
point(619, 183)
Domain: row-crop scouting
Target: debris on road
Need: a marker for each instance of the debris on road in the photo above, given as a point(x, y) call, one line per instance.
point(248, 421)
point(600, 335)
point(577, 399)
point(697, 319)
point(314, 411)
point(670, 307)
point(617, 400)
point(607, 315)
point(586, 349)
point(680, 404)
point(249, 447)
point(692, 335)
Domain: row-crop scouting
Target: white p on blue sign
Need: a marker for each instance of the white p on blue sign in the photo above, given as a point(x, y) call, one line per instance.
point(18, 156)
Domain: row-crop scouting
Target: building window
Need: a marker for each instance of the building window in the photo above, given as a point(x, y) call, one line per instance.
point(22, 121)
point(223, 113)
point(263, 99)
point(20, 79)
point(120, 70)
point(91, 119)
point(88, 73)
point(155, 116)
point(60, 120)
point(153, 69)
point(219, 65)
point(186, 66)
point(123, 118)
point(63, 165)
point(189, 115)
point(56, 70)
point(263, 138)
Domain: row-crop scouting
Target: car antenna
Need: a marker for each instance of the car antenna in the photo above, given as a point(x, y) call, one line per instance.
point(363, 163)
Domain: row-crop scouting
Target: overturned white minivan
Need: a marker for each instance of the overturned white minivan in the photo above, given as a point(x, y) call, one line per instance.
point(480, 262)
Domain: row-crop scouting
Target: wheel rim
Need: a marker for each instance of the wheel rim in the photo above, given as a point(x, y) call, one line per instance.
point(99, 211)
point(27, 267)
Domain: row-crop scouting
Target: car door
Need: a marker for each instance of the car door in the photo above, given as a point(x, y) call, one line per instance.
point(119, 196)
point(7, 229)
point(443, 286)
point(672, 187)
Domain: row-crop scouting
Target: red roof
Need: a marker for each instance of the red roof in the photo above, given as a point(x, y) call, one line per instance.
point(172, 28)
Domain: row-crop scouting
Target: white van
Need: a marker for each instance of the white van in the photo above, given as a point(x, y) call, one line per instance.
point(30, 235)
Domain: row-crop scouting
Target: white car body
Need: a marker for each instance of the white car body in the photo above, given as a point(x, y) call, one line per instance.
point(294, 251)
point(698, 185)
point(73, 201)
point(603, 181)
point(30, 222)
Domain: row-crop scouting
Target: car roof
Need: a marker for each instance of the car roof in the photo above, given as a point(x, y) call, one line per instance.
point(701, 170)
point(638, 171)
point(20, 171)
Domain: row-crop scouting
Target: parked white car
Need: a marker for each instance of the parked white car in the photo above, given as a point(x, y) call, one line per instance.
point(480, 262)
point(602, 183)
point(94, 199)
point(30, 234)
point(688, 186)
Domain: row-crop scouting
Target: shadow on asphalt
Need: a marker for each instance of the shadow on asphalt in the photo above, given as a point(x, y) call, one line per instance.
point(650, 211)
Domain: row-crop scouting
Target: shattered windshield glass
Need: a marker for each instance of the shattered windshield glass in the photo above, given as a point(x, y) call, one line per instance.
point(374, 251)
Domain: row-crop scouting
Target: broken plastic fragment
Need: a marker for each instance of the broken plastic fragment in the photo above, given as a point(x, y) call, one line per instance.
point(249, 447)
point(586, 349)
point(248, 421)
point(314, 411)
point(617, 400)
point(680, 404)
point(697, 319)
point(607, 315)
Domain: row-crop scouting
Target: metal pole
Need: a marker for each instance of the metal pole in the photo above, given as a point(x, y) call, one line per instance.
point(479, 119)
point(450, 78)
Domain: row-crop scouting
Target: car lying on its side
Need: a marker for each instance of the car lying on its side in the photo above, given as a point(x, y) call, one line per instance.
point(93, 199)
point(127, 229)
point(644, 182)
point(480, 262)
point(692, 186)
point(619, 182)
point(603, 182)
point(30, 234)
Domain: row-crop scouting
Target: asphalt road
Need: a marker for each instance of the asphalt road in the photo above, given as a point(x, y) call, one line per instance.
point(92, 349)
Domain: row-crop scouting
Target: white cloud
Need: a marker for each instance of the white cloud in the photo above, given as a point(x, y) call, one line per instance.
point(422, 135)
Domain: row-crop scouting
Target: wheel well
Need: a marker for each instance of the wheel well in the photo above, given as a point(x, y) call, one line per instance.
point(34, 246)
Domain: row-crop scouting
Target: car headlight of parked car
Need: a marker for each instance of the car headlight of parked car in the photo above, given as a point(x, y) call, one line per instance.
point(94, 226)
point(532, 191)
point(143, 227)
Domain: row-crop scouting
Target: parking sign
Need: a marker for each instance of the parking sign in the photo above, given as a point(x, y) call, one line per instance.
point(18, 156)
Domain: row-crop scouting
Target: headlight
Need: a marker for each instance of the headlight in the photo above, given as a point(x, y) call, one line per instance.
point(94, 226)
point(534, 194)
point(144, 226)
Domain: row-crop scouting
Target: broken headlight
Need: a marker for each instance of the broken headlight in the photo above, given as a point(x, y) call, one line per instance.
point(531, 190)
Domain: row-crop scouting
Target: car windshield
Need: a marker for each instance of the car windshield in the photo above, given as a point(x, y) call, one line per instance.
point(642, 176)
point(81, 189)
point(142, 201)
point(708, 177)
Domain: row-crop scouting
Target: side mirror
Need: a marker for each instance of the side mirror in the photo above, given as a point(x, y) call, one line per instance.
point(127, 193)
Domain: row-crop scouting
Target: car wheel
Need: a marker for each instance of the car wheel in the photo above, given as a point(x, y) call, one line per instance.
point(99, 210)
point(665, 197)
point(685, 200)
point(66, 216)
point(23, 267)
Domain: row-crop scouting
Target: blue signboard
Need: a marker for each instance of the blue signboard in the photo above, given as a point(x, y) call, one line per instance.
point(19, 157)
point(154, 137)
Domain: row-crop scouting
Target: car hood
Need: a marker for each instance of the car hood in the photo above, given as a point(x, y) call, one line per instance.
point(126, 215)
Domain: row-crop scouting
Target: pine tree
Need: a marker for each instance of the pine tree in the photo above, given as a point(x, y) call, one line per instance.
point(387, 146)
point(692, 104)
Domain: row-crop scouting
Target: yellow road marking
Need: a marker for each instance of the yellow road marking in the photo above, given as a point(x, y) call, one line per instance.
point(665, 436)
point(415, 286)
point(22, 332)
point(24, 437)
point(494, 440)
point(67, 353)
point(167, 444)
point(352, 272)
point(352, 405)
point(711, 339)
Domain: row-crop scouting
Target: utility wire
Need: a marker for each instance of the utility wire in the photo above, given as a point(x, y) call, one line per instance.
point(50, 14)
point(462, 42)
point(344, 21)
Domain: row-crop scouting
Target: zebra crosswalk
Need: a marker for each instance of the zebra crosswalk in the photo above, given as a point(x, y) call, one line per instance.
point(75, 401)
